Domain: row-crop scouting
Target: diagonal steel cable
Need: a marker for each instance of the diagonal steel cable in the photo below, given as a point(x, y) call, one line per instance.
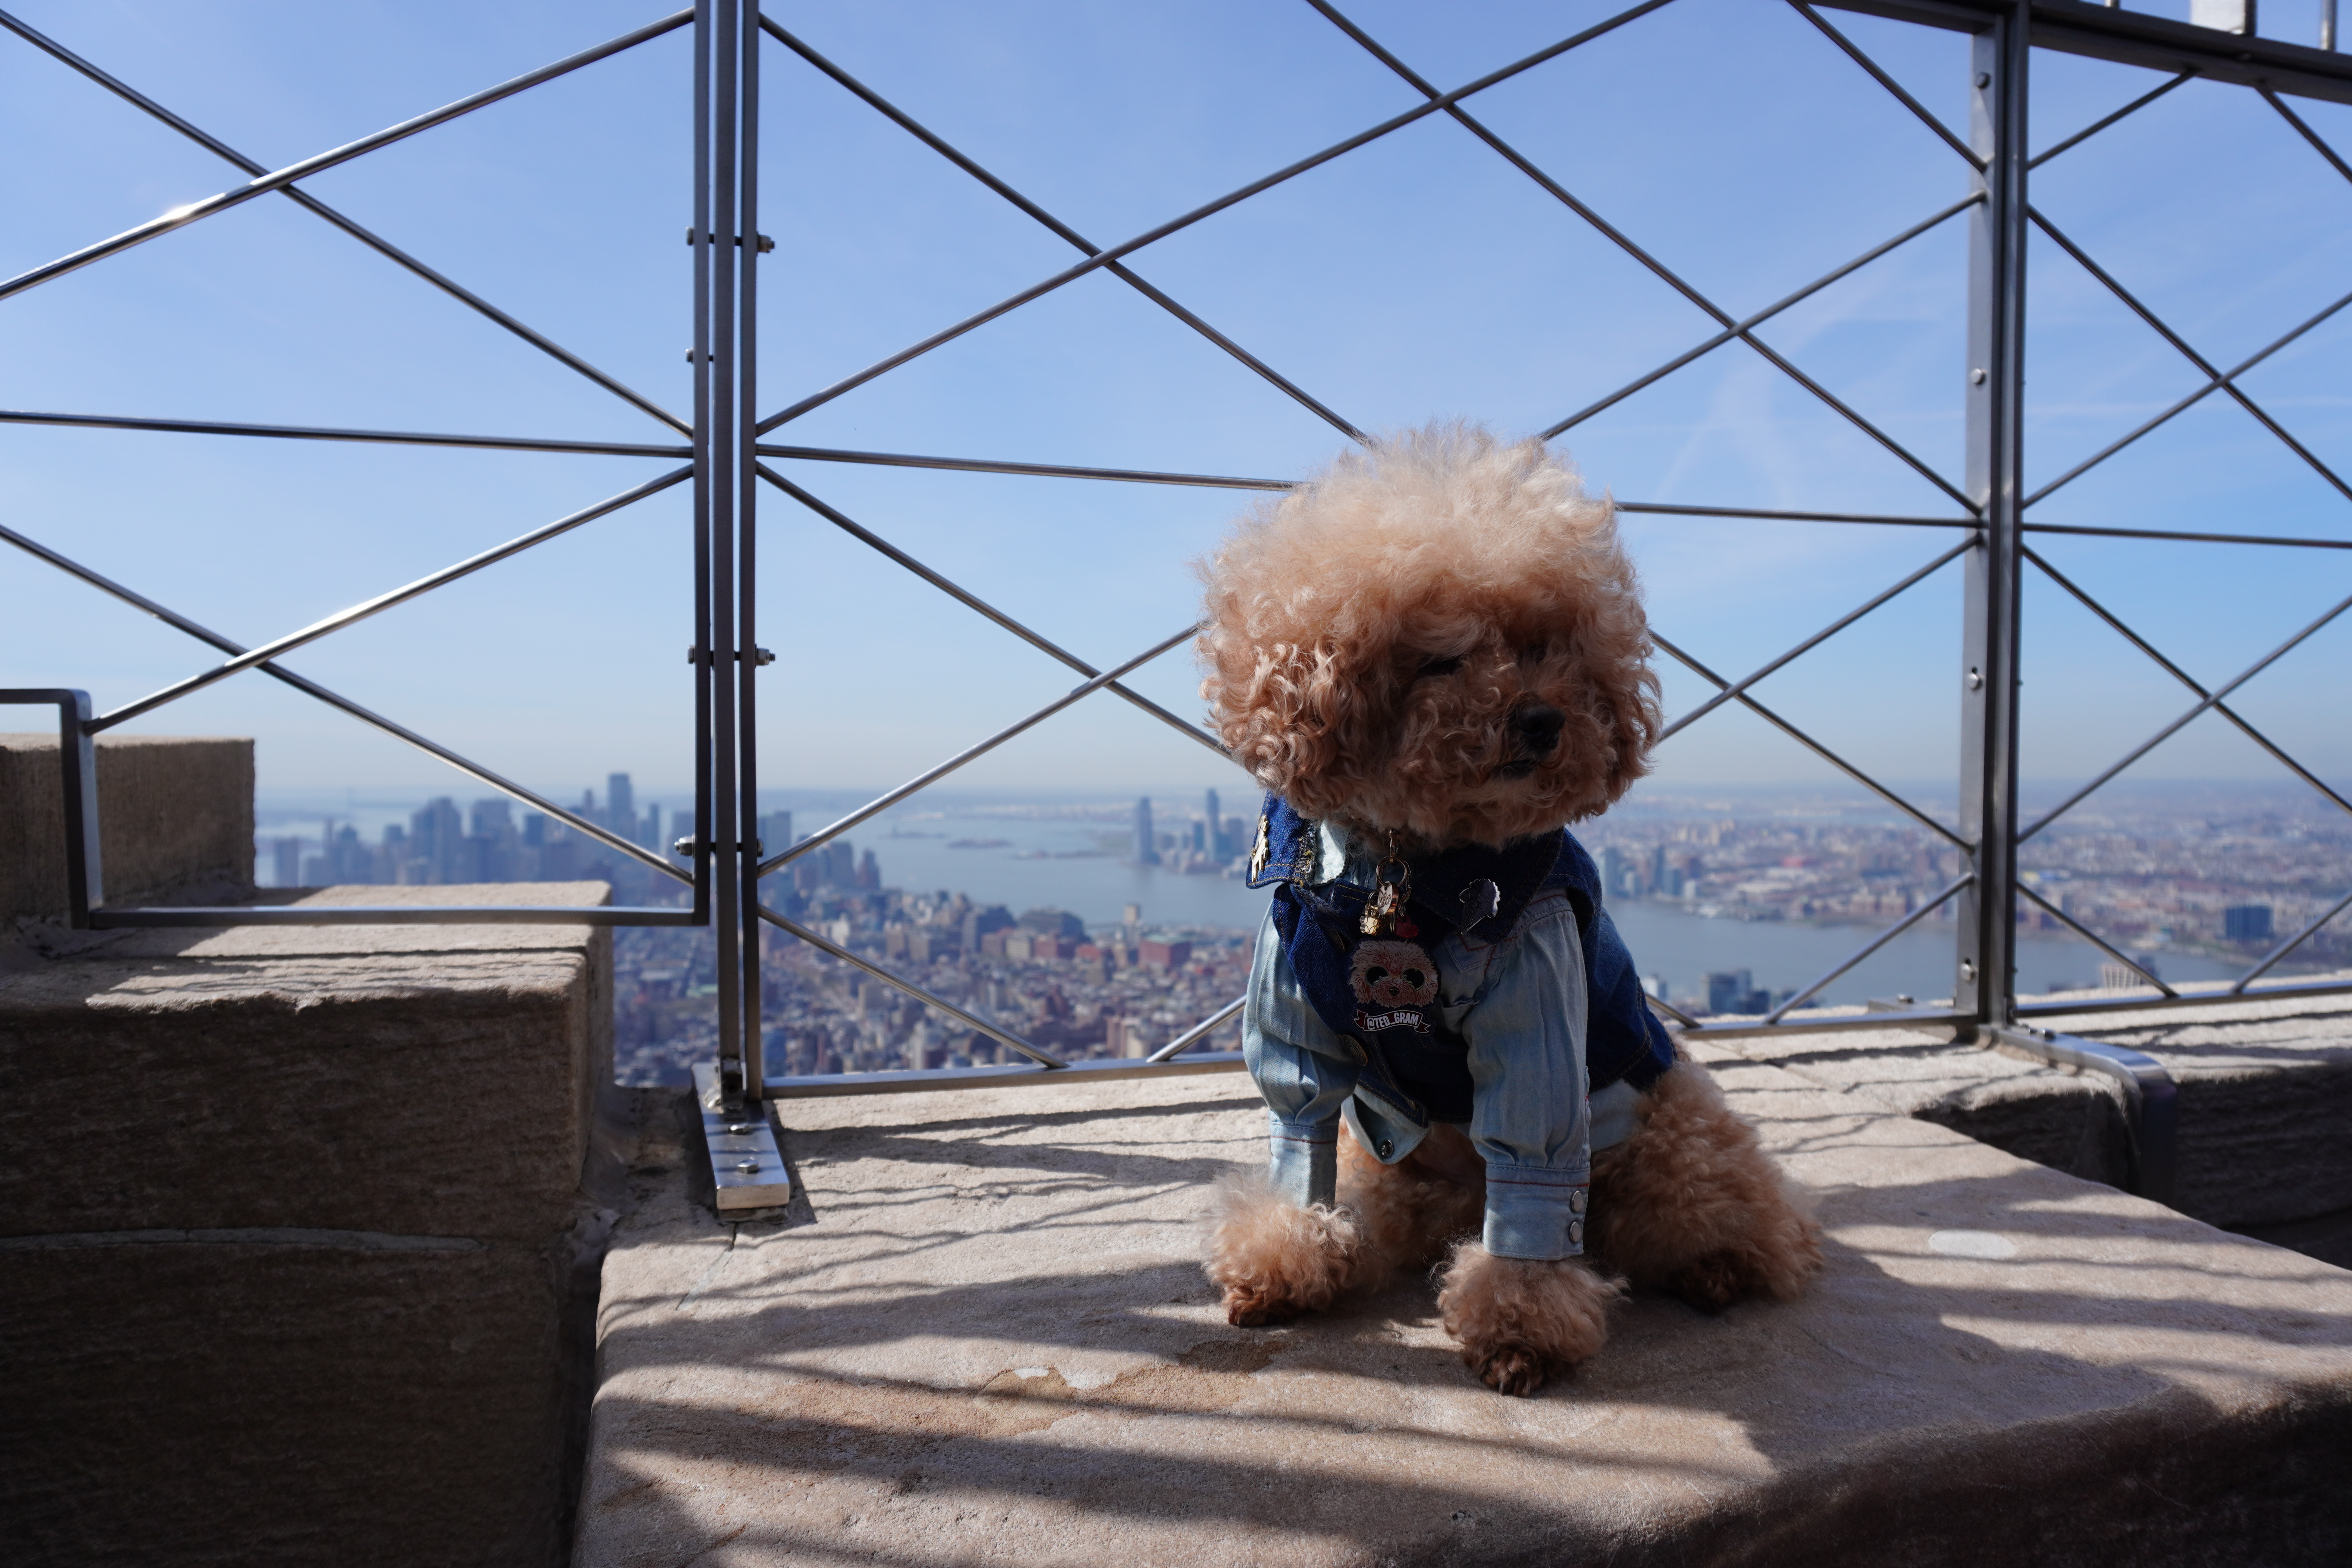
point(1881, 940)
point(382, 602)
point(1741, 328)
point(2318, 143)
point(2189, 535)
point(1197, 1032)
point(1878, 75)
point(2289, 945)
point(1029, 470)
point(1208, 209)
point(1768, 514)
point(2132, 301)
point(969, 1020)
point(195, 212)
point(1665, 273)
point(971, 601)
point(932, 775)
point(220, 148)
point(1119, 270)
point(2084, 135)
point(323, 433)
point(2116, 623)
point(1748, 701)
point(2210, 699)
point(2214, 384)
point(474, 770)
point(2095, 940)
point(1732, 692)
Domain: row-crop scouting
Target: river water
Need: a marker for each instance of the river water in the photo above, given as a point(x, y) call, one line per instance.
point(1665, 939)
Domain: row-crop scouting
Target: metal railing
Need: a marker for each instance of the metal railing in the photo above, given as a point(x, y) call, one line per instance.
point(718, 450)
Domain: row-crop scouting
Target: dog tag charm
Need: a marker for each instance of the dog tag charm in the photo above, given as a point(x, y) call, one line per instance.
point(1391, 884)
point(1480, 900)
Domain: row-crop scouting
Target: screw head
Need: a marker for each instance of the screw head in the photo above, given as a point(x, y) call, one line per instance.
point(1977, 377)
point(747, 1166)
point(739, 1127)
point(1984, 79)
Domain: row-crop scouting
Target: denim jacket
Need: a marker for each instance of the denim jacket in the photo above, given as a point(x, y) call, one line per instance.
point(1518, 1001)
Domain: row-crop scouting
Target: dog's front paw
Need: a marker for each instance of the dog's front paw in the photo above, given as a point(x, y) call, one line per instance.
point(1274, 1259)
point(1255, 1304)
point(1510, 1369)
point(1522, 1320)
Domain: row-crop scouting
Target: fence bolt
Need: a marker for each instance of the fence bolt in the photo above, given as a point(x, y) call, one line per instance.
point(1976, 680)
point(1977, 377)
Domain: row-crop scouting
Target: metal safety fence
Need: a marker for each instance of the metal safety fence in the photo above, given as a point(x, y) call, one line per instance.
point(720, 448)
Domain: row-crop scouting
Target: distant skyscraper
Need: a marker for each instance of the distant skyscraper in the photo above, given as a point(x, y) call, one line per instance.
point(1215, 846)
point(620, 804)
point(1146, 852)
point(436, 836)
point(2246, 922)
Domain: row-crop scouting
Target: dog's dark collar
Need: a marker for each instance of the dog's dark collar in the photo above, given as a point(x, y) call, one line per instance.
point(1472, 888)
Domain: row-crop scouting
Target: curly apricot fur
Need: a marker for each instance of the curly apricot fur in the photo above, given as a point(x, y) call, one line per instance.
point(1327, 608)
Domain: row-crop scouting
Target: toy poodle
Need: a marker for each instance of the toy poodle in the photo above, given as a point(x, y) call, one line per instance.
point(1434, 656)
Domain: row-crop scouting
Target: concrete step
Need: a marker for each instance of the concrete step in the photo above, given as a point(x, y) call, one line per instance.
point(292, 1236)
point(988, 1340)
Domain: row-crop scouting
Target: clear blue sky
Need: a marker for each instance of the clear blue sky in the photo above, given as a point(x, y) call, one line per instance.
point(1420, 277)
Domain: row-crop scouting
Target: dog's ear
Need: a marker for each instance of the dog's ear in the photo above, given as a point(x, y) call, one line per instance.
point(1287, 709)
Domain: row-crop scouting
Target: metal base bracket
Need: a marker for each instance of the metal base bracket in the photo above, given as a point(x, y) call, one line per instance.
point(747, 1167)
point(2150, 1103)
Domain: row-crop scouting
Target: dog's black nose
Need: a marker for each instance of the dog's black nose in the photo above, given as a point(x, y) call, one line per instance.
point(1536, 729)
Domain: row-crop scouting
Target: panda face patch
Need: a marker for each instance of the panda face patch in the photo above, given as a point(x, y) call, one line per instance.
point(1394, 974)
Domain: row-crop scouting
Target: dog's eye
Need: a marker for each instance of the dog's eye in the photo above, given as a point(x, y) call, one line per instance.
point(1412, 977)
point(1446, 666)
point(1375, 974)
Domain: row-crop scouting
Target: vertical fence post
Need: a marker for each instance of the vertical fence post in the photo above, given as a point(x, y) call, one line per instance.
point(1985, 983)
point(747, 503)
point(725, 103)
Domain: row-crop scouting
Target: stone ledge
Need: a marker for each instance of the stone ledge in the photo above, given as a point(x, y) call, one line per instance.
point(991, 1342)
point(430, 1080)
point(175, 813)
point(2263, 1087)
point(298, 1230)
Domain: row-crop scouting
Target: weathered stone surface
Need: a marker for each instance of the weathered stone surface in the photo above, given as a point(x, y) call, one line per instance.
point(990, 1341)
point(2265, 1096)
point(175, 816)
point(2264, 1089)
point(293, 1243)
point(2053, 1116)
point(291, 1077)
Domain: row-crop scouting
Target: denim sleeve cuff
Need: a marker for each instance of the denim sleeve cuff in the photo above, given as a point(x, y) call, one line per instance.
point(1535, 1214)
point(1303, 1160)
